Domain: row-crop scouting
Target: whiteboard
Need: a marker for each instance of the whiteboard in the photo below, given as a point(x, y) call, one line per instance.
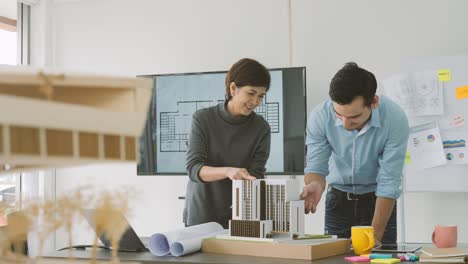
point(450, 177)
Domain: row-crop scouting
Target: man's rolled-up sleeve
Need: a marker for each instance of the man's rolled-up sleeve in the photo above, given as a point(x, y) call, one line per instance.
point(318, 147)
point(391, 160)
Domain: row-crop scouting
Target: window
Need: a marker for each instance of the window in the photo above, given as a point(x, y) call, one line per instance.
point(8, 195)
point(9, 56)
point(8, 51)
point(8, 36)
point(14, 47)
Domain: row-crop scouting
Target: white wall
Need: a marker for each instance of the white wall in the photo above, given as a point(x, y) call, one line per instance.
point(143, 36)
point(164, 36)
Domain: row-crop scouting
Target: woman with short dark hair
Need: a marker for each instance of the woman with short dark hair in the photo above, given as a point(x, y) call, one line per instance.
point(227, 142)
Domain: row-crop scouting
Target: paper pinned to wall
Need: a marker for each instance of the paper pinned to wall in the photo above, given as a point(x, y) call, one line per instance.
point(452, 121)
point(452, 176)
point(418, 93)
point(455, 149)
point(425, 147)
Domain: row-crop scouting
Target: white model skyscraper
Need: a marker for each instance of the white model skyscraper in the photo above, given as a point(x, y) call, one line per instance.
point(265, 204)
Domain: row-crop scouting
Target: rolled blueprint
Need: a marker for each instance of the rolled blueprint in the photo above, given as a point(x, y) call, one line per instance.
point(186, 239)
point(187, 246)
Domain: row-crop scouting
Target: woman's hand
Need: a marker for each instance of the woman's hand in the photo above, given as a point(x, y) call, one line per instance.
point(238, 174)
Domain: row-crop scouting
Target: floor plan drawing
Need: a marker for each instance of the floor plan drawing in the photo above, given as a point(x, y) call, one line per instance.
point(175, 126)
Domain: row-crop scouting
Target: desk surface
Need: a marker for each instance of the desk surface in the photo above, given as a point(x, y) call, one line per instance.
point(147, 257)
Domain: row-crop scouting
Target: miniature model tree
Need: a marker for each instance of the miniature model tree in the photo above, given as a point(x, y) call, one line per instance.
point(50, 223)
point(56, 214)
point(67, 207)
point(109, 221)
point(4, 243)
point(16, 233)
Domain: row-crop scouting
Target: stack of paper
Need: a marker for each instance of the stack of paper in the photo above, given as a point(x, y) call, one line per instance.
point(443, 255)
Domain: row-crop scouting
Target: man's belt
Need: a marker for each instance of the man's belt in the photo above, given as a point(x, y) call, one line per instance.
point(352, 196)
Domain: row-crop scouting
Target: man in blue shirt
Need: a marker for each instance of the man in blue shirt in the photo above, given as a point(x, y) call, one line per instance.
point(356, 142)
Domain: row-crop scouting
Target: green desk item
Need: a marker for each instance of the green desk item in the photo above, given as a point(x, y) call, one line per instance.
point(308, 236)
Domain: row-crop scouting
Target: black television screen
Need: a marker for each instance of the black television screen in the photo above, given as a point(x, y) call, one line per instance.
point(177, 96)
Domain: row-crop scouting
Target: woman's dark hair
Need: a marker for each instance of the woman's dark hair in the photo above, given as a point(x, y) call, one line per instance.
point(247, 72)
point(350, 82)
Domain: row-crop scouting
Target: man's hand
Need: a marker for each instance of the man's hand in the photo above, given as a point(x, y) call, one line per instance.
point(311, 195)
point(383, 210)
point(238, 174)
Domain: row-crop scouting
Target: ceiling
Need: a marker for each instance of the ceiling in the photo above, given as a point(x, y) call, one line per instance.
point(8, 9)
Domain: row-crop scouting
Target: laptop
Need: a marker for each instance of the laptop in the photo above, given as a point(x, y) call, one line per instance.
point(129, 241)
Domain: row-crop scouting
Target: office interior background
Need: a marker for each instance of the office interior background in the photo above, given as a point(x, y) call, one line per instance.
point(138, 37)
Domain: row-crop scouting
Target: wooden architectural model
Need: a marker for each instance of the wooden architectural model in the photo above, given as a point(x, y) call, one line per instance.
point(68, 119)
point(261, 208)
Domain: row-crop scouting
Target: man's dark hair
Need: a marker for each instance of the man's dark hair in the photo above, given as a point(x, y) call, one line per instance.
point(350, 82)
point(247, 72)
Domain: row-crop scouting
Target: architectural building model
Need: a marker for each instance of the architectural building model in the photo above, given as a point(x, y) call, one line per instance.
point(51, 120)
point(263, 208)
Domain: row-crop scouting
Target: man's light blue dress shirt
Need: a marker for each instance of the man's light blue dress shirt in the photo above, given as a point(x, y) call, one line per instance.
point(359, 161)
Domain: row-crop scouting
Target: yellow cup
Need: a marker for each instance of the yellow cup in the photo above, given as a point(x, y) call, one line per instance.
point(362, 238)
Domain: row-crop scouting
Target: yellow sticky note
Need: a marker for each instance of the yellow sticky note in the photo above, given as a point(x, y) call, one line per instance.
point(407, 158)
point(385, 261)
point(444, 75)
point(461, 92)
